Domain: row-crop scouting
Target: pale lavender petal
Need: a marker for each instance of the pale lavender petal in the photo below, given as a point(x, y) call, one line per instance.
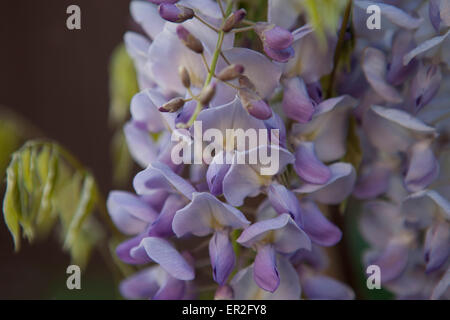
point(173, 289)
point(265, 270)
point(137, 46)
point(392, 261)
point(141, 285)
point(282, 13)
point(129, 213)
point(424, 46)
point(374, 67)
point(124, 249)
point(159, 176)
point(397, 72)
point(372, 181)
point(437, 246)
point(423, 167)
point(308, 166)
point(316, 258)
point(296, 102)
point(147, 16)
point(320, 287)
point(163, 253)
point(283, 232)
point(441, 288)
point(204, 214)
point(215, 175)
point(222, 256)
point(273, 124)
point(162, 226)
point(264, 74)
point(393, 14)
point(245, 288)
point(339, 187)
point(285, 201)
point(319, 228)
point(140, 144)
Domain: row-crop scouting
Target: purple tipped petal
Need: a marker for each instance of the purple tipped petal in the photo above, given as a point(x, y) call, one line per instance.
point(424, 87)
point(296, 102)
point(281, 231)
point(434, 14)
point(215, 175)
point(205, 214)
point(124, 249)
point(173, 289)
point(339, 187)
point(278, 38)
point(162, 226)
point(259, 109)
point(163, 253)
point(285, 201)
point(308, 166)
point(265, 270)
point(222, 256)
point(318, 228)
point(129, 213)
point(392, 261)
point(437, 246)
point(282, 55)
point(159, 176)
point(245, 288)
point(423, 167)
point(319, 287)
point(142, 285)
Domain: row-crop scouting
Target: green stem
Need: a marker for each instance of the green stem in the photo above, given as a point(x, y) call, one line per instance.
point(213, 66)
point(337, 52)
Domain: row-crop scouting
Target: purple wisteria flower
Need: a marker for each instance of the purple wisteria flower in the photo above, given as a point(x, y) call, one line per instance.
point(271, 133)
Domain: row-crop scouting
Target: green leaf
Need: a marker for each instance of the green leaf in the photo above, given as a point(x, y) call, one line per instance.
point(11, 204)
point(84, 209)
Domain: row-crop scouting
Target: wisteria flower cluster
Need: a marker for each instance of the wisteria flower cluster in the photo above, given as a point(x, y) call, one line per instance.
point(333, 97)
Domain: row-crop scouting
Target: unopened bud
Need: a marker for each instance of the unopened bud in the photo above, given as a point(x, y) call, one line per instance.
point(245, 82)
point(273, 36)
point(207, 94)
point(175, 13)
point(185, 78)
point(189, 40)
point(231, 72)
point(234, 19)
point(173, 105)
point(256, 106)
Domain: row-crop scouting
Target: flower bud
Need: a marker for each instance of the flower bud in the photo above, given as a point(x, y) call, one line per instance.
point(231, 72)
point(207, 94)
point(273, 36)
point(245, 82)
point(256, 106)
point(234, 19)
point(175, 13)
point(185, 78)
point(189, 40)
point(173, 105)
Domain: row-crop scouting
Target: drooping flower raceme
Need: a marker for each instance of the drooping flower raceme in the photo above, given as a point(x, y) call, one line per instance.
point(246, 208)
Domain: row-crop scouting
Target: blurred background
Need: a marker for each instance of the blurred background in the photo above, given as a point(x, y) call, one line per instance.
point(57, 80)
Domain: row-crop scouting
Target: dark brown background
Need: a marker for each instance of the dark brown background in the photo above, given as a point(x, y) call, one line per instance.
point(58, 80)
